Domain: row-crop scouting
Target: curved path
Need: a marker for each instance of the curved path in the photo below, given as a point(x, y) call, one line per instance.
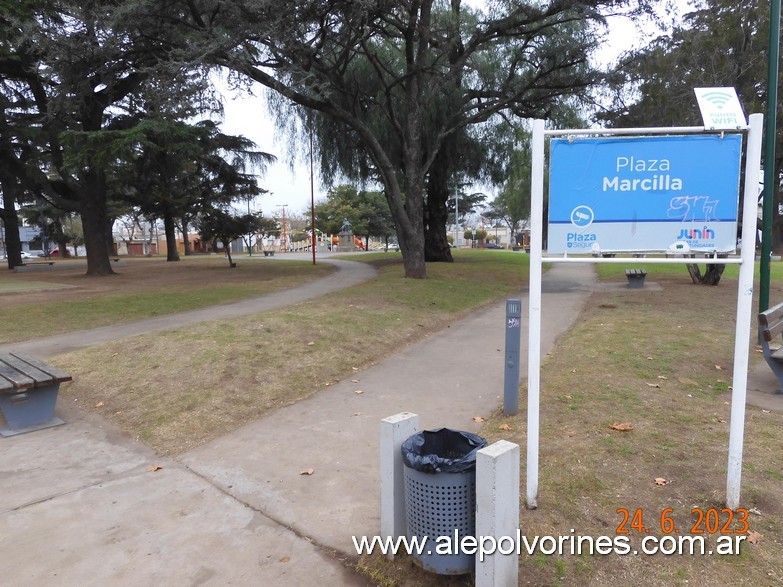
point(349, 273)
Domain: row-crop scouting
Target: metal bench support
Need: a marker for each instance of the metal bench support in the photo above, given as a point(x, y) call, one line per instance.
point(635, 278)
point(28, 393)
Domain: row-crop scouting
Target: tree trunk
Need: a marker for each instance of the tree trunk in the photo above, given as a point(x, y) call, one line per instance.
point(436, 214)
point(711, 276)
point(170, 227)
point(13, 245)
point(185, 239)
point(227, 248)
point(94, 215)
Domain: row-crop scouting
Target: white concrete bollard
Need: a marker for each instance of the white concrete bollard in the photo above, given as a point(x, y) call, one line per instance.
point(497, 512)
point(394, 431)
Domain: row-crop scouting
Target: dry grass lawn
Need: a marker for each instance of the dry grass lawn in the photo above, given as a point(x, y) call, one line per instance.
point(63, 299)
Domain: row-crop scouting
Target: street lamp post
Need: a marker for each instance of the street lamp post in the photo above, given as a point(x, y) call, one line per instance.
point(456, 216)
point(770, 171)
point(312, 198)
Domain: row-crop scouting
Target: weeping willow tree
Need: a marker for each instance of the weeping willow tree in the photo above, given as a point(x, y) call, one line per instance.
point(406, 77)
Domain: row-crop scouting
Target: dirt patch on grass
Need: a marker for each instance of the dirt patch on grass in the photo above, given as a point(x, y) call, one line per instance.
point(143, 288)
point(137, 274)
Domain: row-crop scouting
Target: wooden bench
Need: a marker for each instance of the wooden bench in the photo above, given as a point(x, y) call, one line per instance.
point(36, 263)
point(635, 277)
point(28, 393)
point(770, 329)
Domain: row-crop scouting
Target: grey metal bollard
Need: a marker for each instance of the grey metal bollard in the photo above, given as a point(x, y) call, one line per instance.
point(511, 376)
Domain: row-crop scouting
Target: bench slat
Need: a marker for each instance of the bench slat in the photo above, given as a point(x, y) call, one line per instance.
point(6, 386)
point(30, 365)
point(771, 315)
point(15, 379)
point(37, 375)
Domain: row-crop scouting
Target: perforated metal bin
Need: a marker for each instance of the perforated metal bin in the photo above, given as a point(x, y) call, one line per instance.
point(440, 497)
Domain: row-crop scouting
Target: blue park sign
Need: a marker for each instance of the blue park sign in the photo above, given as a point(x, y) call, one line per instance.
point(644, 193)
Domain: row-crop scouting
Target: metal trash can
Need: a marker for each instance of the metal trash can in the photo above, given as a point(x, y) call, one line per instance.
point(440, 496)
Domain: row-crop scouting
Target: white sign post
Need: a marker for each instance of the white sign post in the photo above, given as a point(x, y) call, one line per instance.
point(660, 201)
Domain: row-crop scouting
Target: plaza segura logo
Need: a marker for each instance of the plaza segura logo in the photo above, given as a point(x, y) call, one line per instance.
point(582, 216)
point(578, 240)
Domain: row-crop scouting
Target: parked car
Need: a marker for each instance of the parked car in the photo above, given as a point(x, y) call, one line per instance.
point(492, 245)
point(56, 253)
point(33, 253)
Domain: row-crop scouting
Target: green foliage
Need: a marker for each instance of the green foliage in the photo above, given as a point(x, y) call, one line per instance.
point(722, 44)
point(367, 212)
point(216, 224)
point(512, 204)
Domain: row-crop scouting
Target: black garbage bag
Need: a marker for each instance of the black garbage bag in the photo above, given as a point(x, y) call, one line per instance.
point(442, 451)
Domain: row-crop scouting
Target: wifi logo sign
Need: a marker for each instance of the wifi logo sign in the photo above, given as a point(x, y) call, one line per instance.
point(720, 108)
point(718, 99)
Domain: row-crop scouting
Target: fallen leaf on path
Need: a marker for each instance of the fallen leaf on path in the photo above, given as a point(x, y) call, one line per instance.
point(358, 414)
point(154, 468)
point(99, 405)
point(307, 472)
point(649, 358)
point(479, 419)
point(285, 559)
point(663, 377)
point(358, 392)
point(718, 368)
point(504, 427)
point(354, 381)
point(661, 481)
point(754, 537)
point(311, 343)
point(656, 385)
point(355, 368)
point(622, 426)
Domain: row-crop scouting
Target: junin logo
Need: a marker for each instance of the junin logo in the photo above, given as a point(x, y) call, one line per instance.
point(696, 234)
point(718, 98)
